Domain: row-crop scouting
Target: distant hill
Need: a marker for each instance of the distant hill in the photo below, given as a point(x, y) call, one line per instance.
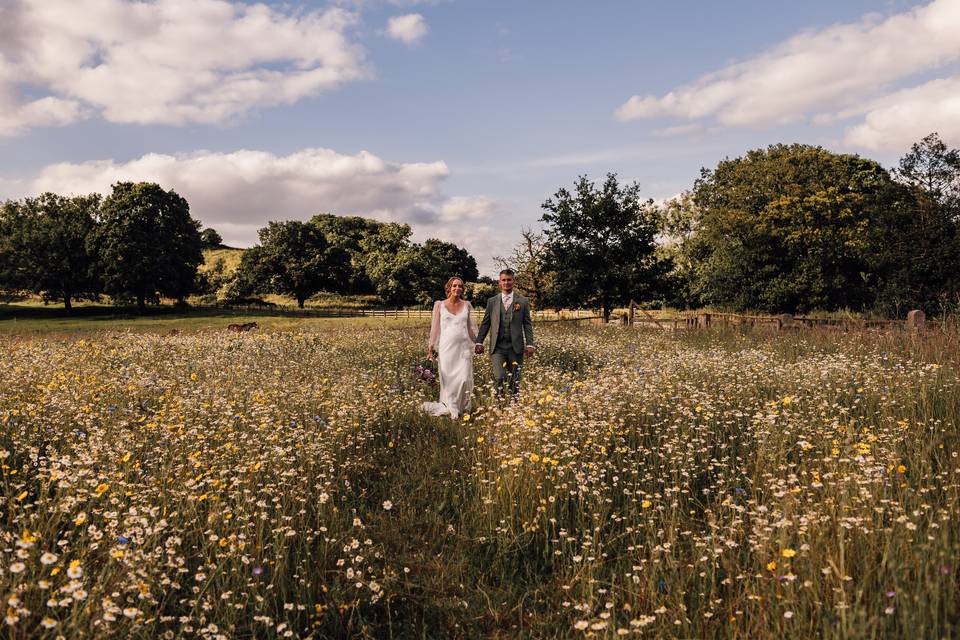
point(230, 255)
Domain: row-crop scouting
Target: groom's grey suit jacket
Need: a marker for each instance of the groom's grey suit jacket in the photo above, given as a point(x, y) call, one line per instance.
point(521, 325)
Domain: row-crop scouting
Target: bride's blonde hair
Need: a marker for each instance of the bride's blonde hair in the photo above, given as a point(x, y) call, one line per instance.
point(446, 287)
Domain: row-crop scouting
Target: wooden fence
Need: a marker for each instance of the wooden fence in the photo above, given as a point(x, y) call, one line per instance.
point(543, 316)
point(635, 316)
point(571, 315)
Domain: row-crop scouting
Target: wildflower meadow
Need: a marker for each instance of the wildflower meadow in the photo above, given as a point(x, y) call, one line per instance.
point(283, 484)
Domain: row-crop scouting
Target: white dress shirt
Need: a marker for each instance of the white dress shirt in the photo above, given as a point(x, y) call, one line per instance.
point(507, 299)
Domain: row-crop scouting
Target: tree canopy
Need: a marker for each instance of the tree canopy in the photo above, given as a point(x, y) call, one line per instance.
point(785, 229)
point(211, 238)
point(147, 244)
point(600, 245)
point(357, 237)
point(294, 258)
point(916, 243)
point(797, 227)
point(46, 243)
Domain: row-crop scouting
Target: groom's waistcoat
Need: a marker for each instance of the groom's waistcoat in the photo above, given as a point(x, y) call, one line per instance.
point(504, 340)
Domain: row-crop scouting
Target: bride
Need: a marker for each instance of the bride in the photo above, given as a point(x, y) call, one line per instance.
point(453, 332)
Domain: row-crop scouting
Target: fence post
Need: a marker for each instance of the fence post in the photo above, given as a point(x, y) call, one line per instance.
point(784, 321)
point(916, 320)
point(703, 321)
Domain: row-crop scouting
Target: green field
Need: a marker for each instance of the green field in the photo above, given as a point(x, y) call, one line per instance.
point(230, 256)
point(282, 483)
point(26, 320)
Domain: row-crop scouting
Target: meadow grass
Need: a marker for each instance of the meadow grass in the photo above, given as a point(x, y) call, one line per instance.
point(21, 320)
point(283, 484)
point(231, 258)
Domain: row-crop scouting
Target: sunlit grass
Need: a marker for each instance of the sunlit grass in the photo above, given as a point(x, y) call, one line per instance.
point(191, 321)
point(282, 484)
point(231, 258)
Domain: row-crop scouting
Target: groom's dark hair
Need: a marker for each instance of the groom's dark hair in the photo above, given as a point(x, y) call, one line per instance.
point(507, 272)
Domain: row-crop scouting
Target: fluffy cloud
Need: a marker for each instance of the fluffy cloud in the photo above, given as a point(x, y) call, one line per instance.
point(237, 193)
point(409, 29)
point(167, 61)
point(465, 208)
point(900, 119)
point(815, 71)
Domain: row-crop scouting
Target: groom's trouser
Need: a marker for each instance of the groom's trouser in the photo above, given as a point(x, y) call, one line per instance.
point(506, 369)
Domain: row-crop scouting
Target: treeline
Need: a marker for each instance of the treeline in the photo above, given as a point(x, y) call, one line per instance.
point(349, 255)
point(140, 244)
point(789, 228)
point(136, 245)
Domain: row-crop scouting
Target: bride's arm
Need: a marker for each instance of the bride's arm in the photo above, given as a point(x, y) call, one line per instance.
point(434, 327)
point(471, 324)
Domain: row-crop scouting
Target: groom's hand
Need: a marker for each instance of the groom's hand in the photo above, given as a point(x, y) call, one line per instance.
point(528, 352)
point(478, 349)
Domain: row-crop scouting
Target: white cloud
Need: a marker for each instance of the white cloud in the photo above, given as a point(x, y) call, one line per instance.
point(904, 117)
point(238, 192)
point(678, 130)
point(474, 222)
point(820, 70)
point(595, 159)
point(463, 208)
point(16, 117)
point(167, 61)
point(412, 3)
point(409, 28)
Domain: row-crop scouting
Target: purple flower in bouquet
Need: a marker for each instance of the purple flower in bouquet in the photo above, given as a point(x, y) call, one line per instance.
point(424, 373)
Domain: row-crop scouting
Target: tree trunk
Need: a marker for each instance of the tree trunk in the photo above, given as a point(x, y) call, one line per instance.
point(141, 303)
point(606, 313)
point(66, 301)
point(300, 302)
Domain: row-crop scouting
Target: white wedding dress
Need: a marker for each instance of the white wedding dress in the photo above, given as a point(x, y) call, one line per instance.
point(452, 337)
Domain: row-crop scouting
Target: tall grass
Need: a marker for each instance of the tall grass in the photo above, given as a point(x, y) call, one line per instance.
point(283, 484)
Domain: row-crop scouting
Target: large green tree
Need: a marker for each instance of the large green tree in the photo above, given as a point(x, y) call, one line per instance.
point(11, 276)
point(411, 276)
point(600, 245)
point(357, 237)
point(678, 220)
point(934, 168)
point(147, 244)
point(453, 260)
point(408, 273)
point(211, 238)
point(293, 258)
point(47, 246)
point(392, 264)
point(916, 243)
point(787, 229)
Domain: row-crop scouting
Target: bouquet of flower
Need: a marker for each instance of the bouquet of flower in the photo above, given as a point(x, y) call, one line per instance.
point(425, 372)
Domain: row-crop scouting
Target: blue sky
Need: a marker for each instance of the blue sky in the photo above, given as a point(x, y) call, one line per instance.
point(462, 117)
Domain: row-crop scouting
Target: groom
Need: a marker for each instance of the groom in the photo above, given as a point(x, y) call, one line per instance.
point(507, 319)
